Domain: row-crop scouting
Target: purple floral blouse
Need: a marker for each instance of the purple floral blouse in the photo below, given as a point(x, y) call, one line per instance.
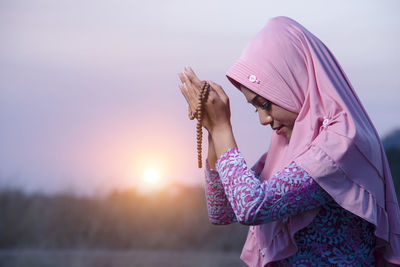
point(335, 237)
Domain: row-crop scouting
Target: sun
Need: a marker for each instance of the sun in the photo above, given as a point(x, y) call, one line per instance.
point(151, 181)
point(151, 176)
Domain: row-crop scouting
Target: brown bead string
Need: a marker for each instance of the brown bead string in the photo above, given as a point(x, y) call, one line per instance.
point(198, 114)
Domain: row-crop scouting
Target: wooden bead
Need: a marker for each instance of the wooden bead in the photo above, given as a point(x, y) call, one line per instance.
point(202, 98)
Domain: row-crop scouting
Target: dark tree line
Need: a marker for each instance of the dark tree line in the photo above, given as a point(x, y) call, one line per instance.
point(122, 220)
point(174, 219)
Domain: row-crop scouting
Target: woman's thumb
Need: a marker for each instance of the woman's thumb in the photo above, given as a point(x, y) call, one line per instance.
point(218, 89)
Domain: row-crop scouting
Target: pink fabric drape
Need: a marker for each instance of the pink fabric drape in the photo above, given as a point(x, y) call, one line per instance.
point(333, 138)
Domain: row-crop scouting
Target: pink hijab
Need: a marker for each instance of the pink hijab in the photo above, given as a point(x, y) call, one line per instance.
point(333, 138)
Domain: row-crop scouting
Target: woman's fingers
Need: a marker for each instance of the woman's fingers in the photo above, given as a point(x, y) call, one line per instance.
point(216, 109)
point(193, 78)
point(190, 78)
point(190, 98)
point(218, 89)
point(181, 77)
point(212, 95)
point(184, 78)
point(191, 87)
point(191, 109)
point(193, 84)
point(188, 92)
point(183, 91)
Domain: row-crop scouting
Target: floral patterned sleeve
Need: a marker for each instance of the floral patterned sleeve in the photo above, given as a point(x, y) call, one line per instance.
point(289, 192)
point(219, 209)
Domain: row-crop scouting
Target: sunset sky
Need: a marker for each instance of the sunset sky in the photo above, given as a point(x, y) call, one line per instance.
point(88, 89)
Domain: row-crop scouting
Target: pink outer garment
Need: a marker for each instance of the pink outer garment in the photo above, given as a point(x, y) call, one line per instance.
point(333, 138)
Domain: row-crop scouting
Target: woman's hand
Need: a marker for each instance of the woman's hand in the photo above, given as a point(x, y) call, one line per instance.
point(216, 114)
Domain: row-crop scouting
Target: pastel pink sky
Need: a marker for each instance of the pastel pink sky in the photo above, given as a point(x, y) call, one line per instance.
point(88, 89)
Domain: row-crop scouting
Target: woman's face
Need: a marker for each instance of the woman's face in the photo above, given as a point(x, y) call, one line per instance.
point(280, 119)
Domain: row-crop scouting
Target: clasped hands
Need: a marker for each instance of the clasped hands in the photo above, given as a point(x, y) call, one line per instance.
point(216, 113)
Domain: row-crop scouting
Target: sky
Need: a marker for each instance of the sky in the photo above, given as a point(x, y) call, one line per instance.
point(89, 97)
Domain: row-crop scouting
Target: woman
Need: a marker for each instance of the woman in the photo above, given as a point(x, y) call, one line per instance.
point(323, 194)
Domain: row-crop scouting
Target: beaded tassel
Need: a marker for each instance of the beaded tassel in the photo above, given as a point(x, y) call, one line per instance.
point(198, 114)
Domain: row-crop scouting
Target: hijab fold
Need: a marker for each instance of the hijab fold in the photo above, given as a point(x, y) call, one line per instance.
point(333, 138)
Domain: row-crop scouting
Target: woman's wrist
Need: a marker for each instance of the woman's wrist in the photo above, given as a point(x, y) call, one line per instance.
point(223, 139)
point(212, 157)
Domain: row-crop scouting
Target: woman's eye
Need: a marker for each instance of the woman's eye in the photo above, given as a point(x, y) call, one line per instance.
point(266, 106)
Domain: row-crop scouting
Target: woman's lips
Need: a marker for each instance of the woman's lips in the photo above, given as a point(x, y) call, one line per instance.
point(279, 130)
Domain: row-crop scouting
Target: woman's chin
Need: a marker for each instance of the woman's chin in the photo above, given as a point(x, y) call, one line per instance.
point(287, 134)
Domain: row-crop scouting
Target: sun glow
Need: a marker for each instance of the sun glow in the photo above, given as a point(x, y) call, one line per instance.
point(151, 176)
point(150, 169)
point(151, 181)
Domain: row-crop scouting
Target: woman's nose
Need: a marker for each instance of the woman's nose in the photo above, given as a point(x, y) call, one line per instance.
point(265, 119)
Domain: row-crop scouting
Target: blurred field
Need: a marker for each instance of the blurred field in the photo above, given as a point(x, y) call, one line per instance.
point(116, 258)
point(121, 220)
point(122, 228)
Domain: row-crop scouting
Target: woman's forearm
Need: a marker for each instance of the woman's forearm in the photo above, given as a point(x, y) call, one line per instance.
point(219, 209)
point(289, 192)
point(212, 157)
point(223, 139)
